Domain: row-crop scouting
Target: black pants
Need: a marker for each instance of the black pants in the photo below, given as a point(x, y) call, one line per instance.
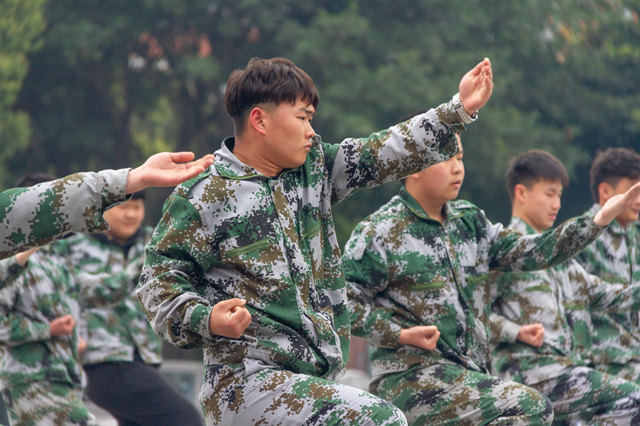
point(136, 394)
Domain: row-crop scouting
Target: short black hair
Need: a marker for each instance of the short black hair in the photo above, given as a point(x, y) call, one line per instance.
point(274, 80)
point(532, 166)
point(31, 179)
point(612, 165)
point(140, 195)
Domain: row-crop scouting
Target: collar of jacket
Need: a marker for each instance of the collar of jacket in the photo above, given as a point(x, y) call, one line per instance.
point(451, 212)
point(521, 226)
point(230, 167)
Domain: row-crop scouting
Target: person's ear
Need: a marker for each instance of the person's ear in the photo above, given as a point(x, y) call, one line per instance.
point(520, 193)
point(605, 191)
point(257, 119)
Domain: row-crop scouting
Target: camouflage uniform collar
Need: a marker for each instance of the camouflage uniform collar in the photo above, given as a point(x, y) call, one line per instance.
point(451, 212)
point(521, 226)
point(229, 166)
point(614, 227)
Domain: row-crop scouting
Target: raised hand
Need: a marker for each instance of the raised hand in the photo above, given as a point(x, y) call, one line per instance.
point(476, 87)
point(229, 318)
point(421, 336)
point(166, 169)
point(616, 205)
point(531, 334)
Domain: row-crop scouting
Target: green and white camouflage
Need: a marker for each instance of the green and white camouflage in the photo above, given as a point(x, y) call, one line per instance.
point(615, 257)
point(562, 299)
point(115, 323)
point(405, 269)
point(233, 232)
point(36, 215)
point(31, 360)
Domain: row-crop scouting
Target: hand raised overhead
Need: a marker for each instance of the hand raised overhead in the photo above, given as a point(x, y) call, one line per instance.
point(476, 87)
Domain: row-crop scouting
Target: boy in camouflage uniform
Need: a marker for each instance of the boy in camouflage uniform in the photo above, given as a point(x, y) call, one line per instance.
point(31, 217)
point(560, 299)
point(123, 352)
point(257, 225)
point(41, 379)
point(615, 257)
point(423, 259)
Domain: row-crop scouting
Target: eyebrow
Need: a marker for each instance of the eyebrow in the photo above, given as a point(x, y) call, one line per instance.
point(307, 111)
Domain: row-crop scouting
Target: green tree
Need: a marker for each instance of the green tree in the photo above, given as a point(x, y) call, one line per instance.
point(20, 26)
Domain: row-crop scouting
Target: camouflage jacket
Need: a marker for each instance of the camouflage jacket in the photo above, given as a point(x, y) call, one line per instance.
point(615, 257)
point(30, 298)
point(233, 232)
point(562, 299)
point(405, 269)
point(115, 323)
point(33, 216)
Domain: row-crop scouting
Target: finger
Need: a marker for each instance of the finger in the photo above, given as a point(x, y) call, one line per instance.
point(182, 156)
point(231, 304)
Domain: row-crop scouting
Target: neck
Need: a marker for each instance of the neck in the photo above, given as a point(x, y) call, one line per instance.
point(515, 212)
point(433, 208)
point(248, 151)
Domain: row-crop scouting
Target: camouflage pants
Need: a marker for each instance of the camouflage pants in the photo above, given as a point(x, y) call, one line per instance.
point(449, 394)
point(587, 395)
point(629, 371)
point(255, 393)
point(42, 403)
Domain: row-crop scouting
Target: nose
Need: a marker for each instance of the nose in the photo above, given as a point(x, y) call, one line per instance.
point(309, 132)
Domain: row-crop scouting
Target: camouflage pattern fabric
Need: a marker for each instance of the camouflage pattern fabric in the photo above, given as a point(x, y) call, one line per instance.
point(30, 358)
point(449, 394)
point(47, 403)
point(615, 257)
point(33, 216)
point(405, 269)
point(232, 232)
point(254, 393)
point(115, 323)
point(562, 299)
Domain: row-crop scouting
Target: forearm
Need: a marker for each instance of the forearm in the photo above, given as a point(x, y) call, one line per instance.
point(36, 215)
point(396, 152)
point(503, 330)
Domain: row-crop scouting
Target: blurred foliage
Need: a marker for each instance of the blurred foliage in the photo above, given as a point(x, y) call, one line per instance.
point(112, 82)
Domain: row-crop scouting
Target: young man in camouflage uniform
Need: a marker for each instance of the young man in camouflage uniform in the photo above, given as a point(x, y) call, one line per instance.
point(31, 217)
point(615, 257)
point(423, 259)
point(123, 352)
point(41, 378)
point(257, 225)
point(560, 299)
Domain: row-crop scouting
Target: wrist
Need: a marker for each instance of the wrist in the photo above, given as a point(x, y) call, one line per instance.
point(463, 114)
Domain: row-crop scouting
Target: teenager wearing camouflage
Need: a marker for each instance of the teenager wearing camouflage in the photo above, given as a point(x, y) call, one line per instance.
point(561, 300)
point(34, 216)
point(423, 259)
point(258, 226)
point(123, 352)
point(615, 256)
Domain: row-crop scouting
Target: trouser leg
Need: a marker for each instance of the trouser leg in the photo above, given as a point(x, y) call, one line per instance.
point(629, 371)
point(587, 395)
point(136, 394)
point(450, 394)
point(43, 403)
point(256, 393)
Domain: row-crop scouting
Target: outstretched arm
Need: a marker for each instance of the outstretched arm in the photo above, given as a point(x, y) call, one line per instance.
point(34, 216)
